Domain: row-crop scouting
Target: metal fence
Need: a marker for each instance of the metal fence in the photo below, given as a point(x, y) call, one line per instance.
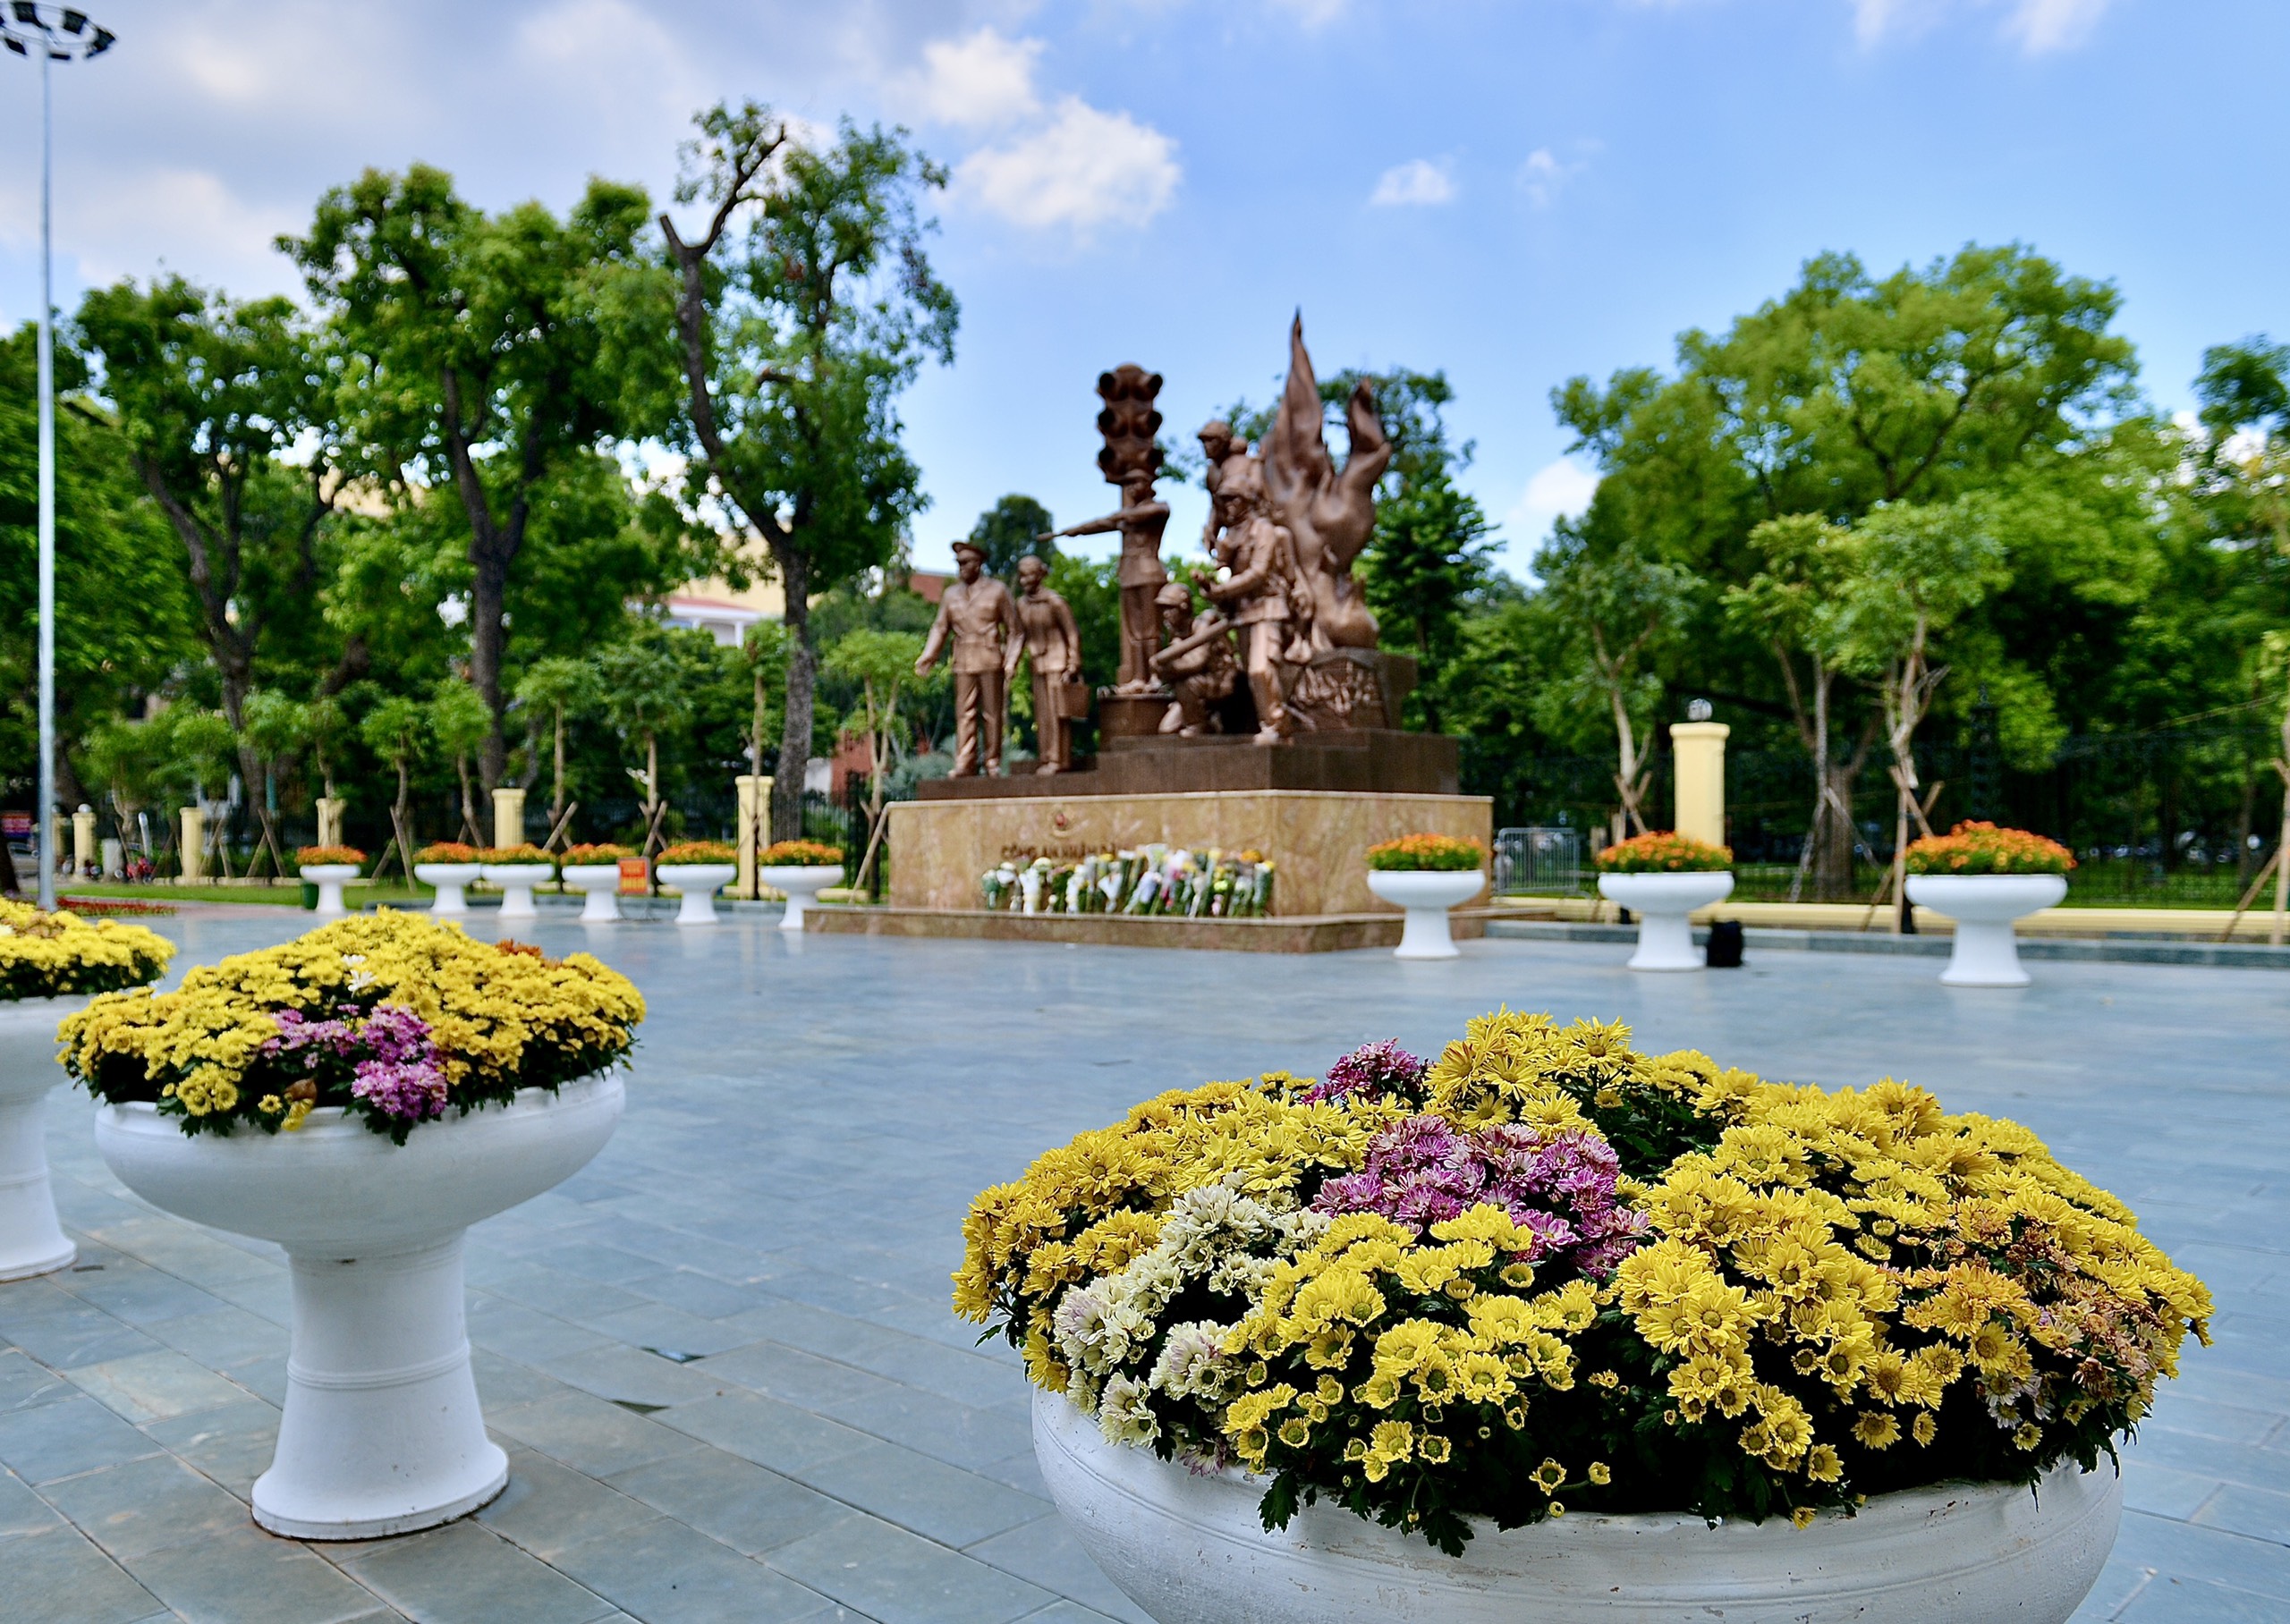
point(1547, 861)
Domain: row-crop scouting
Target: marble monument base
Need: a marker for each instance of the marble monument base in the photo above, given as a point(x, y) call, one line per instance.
point(1318, 839)
point(1305, 933)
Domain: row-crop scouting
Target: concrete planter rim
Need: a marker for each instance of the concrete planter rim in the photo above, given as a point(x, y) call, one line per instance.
point(1190, 1549)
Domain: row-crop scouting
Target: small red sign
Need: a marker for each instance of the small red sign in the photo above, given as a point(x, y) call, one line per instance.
point(634, 880)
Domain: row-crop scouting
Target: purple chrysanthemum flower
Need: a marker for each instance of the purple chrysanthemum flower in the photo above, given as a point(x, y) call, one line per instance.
point(415, 1091)
point(1380, 1067)
point(1560, 1186)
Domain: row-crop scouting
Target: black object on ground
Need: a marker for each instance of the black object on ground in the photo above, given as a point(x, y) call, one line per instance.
point(1726, 945)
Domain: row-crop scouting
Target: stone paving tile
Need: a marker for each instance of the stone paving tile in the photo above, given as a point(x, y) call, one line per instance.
point(153, 1386)
point(147, 1505)
point(60, 1575)
point(736, 1501)
point(900, 1578)
point(665, 1572)
point(464, 1574)
point(548, 1507)
point(784, 1197)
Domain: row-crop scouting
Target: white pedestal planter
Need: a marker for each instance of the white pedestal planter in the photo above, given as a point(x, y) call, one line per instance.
point(1663, 902)
point(381, 1432)
point(1427, 894)
point(698, 883)
point(1189, 1550)
point(802, 885)
point(330, 878)
point(517, 881)
point(31, 1242)
point(598, 884)
point(1983, 905)
point(449, 879)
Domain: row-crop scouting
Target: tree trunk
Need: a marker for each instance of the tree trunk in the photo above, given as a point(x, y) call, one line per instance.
point(556, 787)
point(802, 665)
point(651, 774)
point(487, 638)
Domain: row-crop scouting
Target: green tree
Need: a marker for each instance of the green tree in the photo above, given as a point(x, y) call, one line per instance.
point(805, 305)
point(277, 728)
point(1914, 571)
point(498, 357)
point(393, 730)
point(548, 690)
point(1794, 604)
point(1011, 529)
point(1426, 563)
point(458, 721)
point(128, 760)
point(111, 550)
point(643, 690)
point(882, 664)
point(1621, 614)
point(213, 397)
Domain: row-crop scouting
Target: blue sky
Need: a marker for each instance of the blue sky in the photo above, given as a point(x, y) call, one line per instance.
point(1515, 192)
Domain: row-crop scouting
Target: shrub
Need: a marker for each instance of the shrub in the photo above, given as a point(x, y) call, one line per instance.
point(313, 857)
point(801, 854)
point(699, 851)
point(524, 854)
point(1977, 848)
point(1416, 852)
point(394, 1017)
point(60, 954)
point(1547, 1271)
point(602, 852)
point(448, 852)
point(1663, 852)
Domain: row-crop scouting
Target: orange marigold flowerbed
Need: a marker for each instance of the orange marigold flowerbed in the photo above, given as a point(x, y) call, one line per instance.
point(601, 852)
point(525, 853)
point(448, 852)
point(801, 854)
point(699, 851)
point(1664, 851)
point(1979, 848)
point(313, 856)
point(1418, 852)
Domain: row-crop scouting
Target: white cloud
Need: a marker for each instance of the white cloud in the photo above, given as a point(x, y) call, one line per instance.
point(1542, 175)
point(978, 81)
point(1417, 182)
point(2035, 26)
point(2053, 25)
point(1312, 13)
point(1558, 489)
point(1083, 169)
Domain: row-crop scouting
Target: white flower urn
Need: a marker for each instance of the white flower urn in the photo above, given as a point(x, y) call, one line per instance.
point(697, 884)
point(31, 1241)
point(330, 878)
point(451, 881)
point(1426, 894)
point(1189, 1548)
point(598, 884)
point(516, 880)
point(381, 1432)
point(802, 884)
point(1664, 904)
point(1986, 953)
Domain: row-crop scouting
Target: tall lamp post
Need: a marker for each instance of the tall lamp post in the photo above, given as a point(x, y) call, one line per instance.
point(53, 34)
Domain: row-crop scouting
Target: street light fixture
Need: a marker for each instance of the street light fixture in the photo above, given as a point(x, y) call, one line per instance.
point(52, 33)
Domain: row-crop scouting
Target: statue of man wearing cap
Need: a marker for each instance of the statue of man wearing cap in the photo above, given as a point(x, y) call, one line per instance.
point(977, 613)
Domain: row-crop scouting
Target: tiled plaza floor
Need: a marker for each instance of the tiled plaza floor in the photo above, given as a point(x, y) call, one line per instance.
point(781, 1208)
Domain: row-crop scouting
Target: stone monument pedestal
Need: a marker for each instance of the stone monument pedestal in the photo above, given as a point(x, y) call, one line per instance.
point(1318, 839)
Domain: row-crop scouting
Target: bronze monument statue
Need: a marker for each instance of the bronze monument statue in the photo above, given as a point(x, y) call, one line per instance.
point(1257, 583)
point(1329, 512)
point(1131, 460)
point(979, 614)
point(1052, 645)
point(1197, 664)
